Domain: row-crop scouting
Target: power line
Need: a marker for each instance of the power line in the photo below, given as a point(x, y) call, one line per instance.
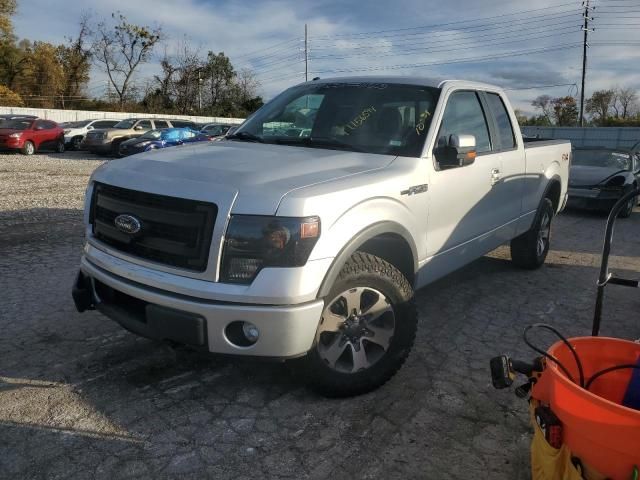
point(503, 40)
point(463, 60)
point(444, 24)
point(476, 28)
point(439, 34)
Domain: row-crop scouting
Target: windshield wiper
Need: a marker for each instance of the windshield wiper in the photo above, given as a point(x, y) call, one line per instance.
point(245, 137)
point(318, 142)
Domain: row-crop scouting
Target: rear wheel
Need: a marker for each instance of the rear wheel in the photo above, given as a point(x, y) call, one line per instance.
point(60, 146)
point(28, 148)
point(366, 331)
point(530, 249)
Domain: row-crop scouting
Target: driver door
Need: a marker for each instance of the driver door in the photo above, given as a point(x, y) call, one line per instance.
point(462, 201)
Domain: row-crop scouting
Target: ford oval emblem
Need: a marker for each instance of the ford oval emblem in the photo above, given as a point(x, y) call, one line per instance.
point(127, 224)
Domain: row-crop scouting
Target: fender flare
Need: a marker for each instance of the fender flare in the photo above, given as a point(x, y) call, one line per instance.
point(356, 242)
point(555, 178)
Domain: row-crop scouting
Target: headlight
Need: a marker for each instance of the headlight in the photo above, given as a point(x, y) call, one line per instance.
point(15, 135)
point(254, 242)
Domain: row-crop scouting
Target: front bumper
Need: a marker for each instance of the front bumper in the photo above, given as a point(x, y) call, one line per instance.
point(593, 199)
point(285, 331)
point(97, 145)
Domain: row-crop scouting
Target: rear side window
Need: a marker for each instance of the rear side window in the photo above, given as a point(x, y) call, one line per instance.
point(181, 123)
point(506, 138)
point(161, 124)
point(104, 124)
point(463, 115)
point(144, 124)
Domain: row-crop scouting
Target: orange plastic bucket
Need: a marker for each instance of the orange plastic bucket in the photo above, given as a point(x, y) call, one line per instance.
point(598, 430)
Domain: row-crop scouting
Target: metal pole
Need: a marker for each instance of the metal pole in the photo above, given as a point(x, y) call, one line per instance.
point(306, 53)
point(584, 59)
point(199, 92)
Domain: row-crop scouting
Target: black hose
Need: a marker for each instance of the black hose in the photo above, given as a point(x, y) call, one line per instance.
point(551, 357)
point(599, 373)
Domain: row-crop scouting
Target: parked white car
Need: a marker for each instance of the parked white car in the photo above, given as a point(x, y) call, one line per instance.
point(307, 242)
point(74, 132)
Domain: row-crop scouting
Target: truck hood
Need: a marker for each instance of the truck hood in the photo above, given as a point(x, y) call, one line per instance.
point(251, 177)
point(584, 176)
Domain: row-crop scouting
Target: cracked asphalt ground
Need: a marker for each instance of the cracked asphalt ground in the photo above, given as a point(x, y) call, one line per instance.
point(82, 398)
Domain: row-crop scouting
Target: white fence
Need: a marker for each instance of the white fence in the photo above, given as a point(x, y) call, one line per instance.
point(76, 115)
point(610, 137)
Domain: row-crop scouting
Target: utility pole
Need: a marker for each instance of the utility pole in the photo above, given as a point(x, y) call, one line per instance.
point(199, 91)
point(306, 53)
point(585, 45)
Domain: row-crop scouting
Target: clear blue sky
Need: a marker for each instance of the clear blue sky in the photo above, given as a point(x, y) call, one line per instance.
point(528, 43)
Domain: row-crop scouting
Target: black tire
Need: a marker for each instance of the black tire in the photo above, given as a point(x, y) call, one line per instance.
point(28, 148)
point(381, 282)
point(115, 148)
point(628, 209)
point(60, 146)
point(526, 251)
point(76, 143)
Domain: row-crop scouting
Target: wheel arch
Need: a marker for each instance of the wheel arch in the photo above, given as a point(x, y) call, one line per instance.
point(553, 192)
point(388, 240)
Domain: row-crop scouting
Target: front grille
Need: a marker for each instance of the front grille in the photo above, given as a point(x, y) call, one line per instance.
point(174, 231)
point(94, 136)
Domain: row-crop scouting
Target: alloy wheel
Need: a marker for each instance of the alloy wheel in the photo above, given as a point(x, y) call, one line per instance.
point(356, 329)
point(543, 234)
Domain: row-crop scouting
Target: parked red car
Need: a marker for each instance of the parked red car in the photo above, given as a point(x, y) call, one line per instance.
point(30, 135)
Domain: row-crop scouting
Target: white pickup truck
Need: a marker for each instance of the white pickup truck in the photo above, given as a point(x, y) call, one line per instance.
point(304, 235)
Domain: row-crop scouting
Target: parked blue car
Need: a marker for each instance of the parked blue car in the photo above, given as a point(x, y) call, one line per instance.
point(166, 137)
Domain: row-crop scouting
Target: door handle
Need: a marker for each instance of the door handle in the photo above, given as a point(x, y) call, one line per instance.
point(495, 176)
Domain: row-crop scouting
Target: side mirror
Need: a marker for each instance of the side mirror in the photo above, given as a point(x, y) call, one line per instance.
point(90, 127)
point(138, 127)
point(456, 151)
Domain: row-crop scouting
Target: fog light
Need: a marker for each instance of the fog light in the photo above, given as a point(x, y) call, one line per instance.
point(250, 331)
point(242, 334)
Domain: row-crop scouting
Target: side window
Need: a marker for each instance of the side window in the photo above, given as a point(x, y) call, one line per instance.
point(506, 138)
point(105, 124)
point(145, 124)
point(39, 125)
point(161, 124)
point(463, 115)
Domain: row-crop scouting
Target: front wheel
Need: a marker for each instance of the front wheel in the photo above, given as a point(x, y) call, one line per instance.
point(366, 330)
point(530, 249)
point(28, 148)
point(628, 208)
point(60, 147)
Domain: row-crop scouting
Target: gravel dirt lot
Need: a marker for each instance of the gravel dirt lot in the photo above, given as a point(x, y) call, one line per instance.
point(82, 398)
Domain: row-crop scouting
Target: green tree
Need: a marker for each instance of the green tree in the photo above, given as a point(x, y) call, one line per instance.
point(75, 59)
point(9, 98)
point(120, 48)
point(565, 111)
point(219, 75)
point(7, 9)
point(40, 81)
point(599, 105)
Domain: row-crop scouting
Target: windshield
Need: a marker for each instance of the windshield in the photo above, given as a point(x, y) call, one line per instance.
point(126, 124)
point(152, 135)
point(81, 124)
point(602, 158)
point(367, 117)
point(17, 124)
point(215, 129)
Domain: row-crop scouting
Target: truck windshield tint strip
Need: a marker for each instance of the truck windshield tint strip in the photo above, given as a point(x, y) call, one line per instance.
point(167, 230)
